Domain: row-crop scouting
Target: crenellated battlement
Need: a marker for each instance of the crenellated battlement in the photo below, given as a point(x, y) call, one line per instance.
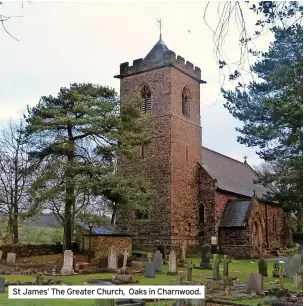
point(168, 59)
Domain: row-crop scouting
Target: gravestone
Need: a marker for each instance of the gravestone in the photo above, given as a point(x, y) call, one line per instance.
point(298, 263)
point(112, 258)
point(275, 272)
point(125, 260)
point(123, 277)
point(137, 265)
point(67, 267)
point(282, 272)
point(206, 255)
point(149, 268)
point(11, 258)
point(172, 262)
point(189, 267)
point(181, 276)
point(255, 283)
point(1, 254)
point(226, 261)
point(293, 266)
point(298, 282)
point(158, 261)
point(184, 249)
point(216, 268)
point(2, 285)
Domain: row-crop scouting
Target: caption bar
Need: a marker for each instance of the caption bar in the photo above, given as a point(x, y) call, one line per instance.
point(106, 292)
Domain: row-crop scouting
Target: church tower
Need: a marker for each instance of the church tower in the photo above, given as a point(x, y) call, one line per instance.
point(170, 90)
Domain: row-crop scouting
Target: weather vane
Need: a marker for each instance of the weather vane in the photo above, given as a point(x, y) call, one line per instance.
point(160, 27)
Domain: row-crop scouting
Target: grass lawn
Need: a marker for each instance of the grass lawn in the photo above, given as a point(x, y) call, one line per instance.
point(238, 268)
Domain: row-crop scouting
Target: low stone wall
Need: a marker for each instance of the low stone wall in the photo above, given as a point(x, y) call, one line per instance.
point(284, 252)
point(31, 249)
point(103, 243)
point(237, 251)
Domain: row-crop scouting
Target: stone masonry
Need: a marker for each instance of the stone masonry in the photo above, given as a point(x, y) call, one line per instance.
point(170, 160)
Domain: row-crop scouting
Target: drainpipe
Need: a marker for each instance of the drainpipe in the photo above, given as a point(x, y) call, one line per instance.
point(266, 224)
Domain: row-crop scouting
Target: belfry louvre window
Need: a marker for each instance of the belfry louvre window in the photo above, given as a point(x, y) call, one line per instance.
point(186, 102)
point(146, 99)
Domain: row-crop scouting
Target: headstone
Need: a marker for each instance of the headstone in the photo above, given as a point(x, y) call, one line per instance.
point(189, 267)
point(158, 261)
point(112, 258)
point(184, 249)
point(11, 258)
point(255, 283)
point(137, 265)
point(67, 267)
point(216, 268)
point(298, 263)
point(2, 285)
point(298, 282)
point(293, 266)
point(149, 268)
point(206, 255)
point(1, 254)
point(226, 261)
point(123, 277)
point(172, 262)
point(53, 271)
point(275, 272)
point(281, 274)
point(125, 260)
point(181, 276)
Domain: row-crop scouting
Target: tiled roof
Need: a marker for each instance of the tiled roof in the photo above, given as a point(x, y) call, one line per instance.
point(158, 50)
point(96, 230)
point(102, 231)
point(232, 175)
point(236, 213)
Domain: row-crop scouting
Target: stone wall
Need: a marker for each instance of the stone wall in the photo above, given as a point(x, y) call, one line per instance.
point(207, 200)
point(221, 198)
point(170, 160)
point(156, 162)
point(186, 153)
point(103, 243)
point(31, 250)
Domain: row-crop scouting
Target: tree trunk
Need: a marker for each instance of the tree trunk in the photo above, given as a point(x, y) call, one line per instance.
point(15, 226)
point(113, 215)
point(70, 194)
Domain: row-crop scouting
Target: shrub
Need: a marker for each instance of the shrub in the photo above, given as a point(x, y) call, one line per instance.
point(262, 263)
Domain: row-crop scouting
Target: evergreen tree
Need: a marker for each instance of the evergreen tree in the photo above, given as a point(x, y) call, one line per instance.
point(271, 110)
point(76, 137)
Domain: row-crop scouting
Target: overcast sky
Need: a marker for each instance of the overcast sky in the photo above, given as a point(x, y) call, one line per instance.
point(64, 42)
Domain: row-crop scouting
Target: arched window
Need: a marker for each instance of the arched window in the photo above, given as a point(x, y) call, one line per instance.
point(146, 97)
point(186, 102)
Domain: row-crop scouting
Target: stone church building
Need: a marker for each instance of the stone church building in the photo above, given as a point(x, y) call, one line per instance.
point(200, 193)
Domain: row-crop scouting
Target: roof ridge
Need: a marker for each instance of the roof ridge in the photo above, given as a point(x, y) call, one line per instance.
point(224, 155)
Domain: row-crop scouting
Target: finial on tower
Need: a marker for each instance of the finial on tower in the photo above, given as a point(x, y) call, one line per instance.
point(245, 159)
point(160, 27)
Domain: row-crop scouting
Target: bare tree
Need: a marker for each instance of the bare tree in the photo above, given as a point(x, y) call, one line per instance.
point(233, 13)
point(5, 18)
point(14, 177)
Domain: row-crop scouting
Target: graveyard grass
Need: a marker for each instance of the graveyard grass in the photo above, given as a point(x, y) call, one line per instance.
point(244, 266)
